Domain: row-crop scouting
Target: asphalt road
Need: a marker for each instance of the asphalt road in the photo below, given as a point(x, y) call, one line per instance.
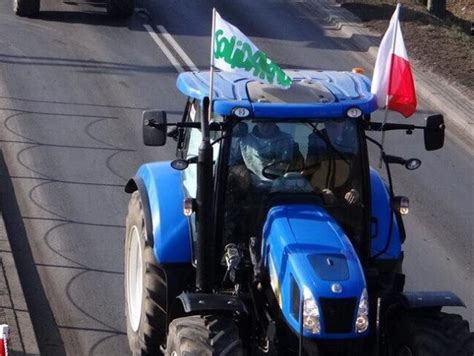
point(73, 84)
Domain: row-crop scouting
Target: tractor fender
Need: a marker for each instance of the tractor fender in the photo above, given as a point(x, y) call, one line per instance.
point(414, 300)
point(382, 212)
point(161, 190)
point(134, 184)
point(198, 303)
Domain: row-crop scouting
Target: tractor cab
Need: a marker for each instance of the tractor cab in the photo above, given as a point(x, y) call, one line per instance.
point(303, 145)
point(293, 161)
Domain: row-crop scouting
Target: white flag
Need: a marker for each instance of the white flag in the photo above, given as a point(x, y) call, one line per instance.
point(234, 52)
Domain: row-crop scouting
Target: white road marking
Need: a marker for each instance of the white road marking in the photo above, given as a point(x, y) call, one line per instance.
point(165, 49)
point(177, 48)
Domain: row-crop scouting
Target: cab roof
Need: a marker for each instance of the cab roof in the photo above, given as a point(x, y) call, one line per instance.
point(313, 94)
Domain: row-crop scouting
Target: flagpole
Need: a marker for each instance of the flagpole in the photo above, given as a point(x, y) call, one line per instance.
point(211, 71)
point(383, 132)
point(389, 83)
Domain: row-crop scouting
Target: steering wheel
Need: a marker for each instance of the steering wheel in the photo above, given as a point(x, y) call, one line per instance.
point(276, 169)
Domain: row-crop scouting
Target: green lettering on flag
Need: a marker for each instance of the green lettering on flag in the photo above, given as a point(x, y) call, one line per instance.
point(233, 51)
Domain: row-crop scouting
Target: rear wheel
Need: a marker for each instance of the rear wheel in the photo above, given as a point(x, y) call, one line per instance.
point(431, 334)
point(27, 8)
point(204, 335)
point(142, 285)
point(120, 8)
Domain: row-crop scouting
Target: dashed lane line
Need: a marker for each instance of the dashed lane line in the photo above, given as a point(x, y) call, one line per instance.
point(184, 57)
point(164, 49)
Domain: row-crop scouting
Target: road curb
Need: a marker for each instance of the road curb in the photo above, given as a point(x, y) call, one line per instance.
point(13, 308)
point(441, 95)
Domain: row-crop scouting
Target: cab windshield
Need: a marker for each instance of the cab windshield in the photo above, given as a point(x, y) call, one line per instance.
point(305, 158)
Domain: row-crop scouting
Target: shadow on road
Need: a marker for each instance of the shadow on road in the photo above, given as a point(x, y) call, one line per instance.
point(83, 65)
point(46, 330)
point(304, 21)
point(56, 102)
point(86, 17)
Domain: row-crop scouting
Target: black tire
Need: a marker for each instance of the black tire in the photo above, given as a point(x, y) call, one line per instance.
point(26, 8)
point(203, 335)
point(121, 9)
point(431, 333)
point(145, 337)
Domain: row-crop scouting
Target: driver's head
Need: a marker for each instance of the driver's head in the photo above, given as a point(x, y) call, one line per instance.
point(266, 128)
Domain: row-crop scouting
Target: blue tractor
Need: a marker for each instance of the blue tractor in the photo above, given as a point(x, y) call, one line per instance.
point(271, 234)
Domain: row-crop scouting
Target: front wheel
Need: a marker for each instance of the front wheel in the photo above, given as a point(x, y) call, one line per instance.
point(431, 334)
point(143, 284)
point(204, 335)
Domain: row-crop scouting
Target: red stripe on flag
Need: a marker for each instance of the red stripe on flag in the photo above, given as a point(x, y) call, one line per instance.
point(3, 347)
point(401, 89)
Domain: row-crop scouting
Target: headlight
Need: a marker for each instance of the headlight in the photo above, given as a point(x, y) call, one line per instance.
point(311, 318)
point(362, 321)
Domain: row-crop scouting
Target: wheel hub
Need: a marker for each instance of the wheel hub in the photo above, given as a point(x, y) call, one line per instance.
point(134, 278)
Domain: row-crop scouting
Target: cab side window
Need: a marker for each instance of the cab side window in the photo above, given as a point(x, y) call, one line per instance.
point(193, 139)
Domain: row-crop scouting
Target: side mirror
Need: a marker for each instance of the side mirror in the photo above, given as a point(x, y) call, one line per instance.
point(434, 132)
point(154, 128)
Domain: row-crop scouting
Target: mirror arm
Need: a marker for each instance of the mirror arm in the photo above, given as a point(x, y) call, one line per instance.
point(377, 126)
point(214, 126)
point(152, 123)
point(394, 159)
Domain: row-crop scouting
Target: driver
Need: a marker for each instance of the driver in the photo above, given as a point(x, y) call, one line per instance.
point(264, 145)
point(247, 187)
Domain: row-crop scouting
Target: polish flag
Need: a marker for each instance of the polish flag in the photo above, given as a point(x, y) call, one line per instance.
point(392, 82)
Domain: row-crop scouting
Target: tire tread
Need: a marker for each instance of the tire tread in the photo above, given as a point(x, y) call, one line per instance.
point(205, 335)
point(429, 333)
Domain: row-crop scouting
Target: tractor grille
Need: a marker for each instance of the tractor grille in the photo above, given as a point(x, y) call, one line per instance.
point(338, 315)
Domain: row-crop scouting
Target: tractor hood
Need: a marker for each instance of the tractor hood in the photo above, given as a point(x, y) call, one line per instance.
point(304, 249)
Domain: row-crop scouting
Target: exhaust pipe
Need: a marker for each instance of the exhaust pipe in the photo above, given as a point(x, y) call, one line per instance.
point(205, 250)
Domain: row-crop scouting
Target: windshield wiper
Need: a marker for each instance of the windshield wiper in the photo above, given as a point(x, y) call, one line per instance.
point(328, 142)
